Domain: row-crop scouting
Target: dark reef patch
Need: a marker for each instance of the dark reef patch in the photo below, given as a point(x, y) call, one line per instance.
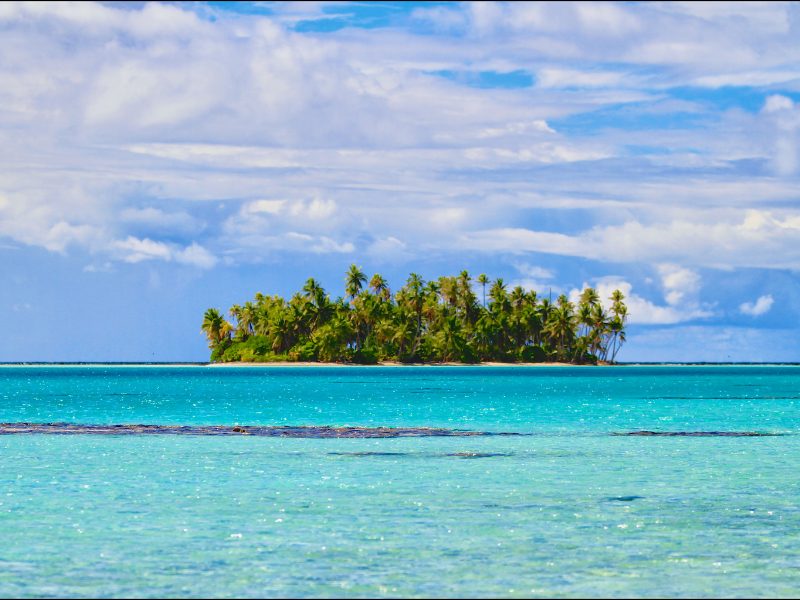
point(368, 453)
point(698, 433)
point(477, 454)
point(266, 431)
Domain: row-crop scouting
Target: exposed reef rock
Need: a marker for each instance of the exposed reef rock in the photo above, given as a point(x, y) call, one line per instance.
point(283, 431)
point(699, 433)
point(477, 454)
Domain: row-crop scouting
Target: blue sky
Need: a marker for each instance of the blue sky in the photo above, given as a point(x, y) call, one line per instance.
point(159, 159)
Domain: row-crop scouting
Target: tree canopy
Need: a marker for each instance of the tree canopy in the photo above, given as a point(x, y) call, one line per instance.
point(441, 320)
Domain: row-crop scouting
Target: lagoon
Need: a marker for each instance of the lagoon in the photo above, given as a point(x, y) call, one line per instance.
point(570, 510)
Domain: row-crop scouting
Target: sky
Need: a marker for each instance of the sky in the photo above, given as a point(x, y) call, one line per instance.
point(159, 159)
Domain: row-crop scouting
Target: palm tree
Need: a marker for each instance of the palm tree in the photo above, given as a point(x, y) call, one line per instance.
point(354, 281)
point(560, 326)
point(620, 312)
point(216, 328)
point(483, 280)
point(363, 317)
point(584, 317)
point(313, 289)
point(518, 297)
point(333, 338)
point(235, 312)
point(589, 296)
point(617, 329)
point(498, 291)
point(319, 309)
point(247, 319)
point(413, 297)
point(404, 336)
point(437, 320)
point(449, 340)
point(448, 286)
point(466, 300)
point(380, 287)
point(600, 331)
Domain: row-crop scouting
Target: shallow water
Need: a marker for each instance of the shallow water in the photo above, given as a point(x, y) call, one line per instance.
point(568, 511)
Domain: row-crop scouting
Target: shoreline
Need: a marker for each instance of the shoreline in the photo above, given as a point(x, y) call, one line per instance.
point(392, 364)
point(385, 364)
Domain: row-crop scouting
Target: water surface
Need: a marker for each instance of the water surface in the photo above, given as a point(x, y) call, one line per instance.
point(568, 511)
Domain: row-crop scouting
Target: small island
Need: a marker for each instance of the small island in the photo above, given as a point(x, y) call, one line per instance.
point(438, 321)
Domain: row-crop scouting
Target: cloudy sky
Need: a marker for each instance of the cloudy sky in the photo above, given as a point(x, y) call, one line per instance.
point(160, 159)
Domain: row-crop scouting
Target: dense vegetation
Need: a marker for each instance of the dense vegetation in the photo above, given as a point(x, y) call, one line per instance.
point(434, 321)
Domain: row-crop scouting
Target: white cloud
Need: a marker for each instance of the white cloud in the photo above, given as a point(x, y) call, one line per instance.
point(197, 256)
point(388, 249)
point(761, 306)
point(135, 250)
point(105, 267)
point(323, 245)
point(550, 77)
point(152, 112)
point(777, 103)
point(534, 278)
point(185, 134)
point(155, 218)
point(272, 207)
point(535, 271)
point(680, 284)
point(520, 128)
point(640, 310)
point(255, 246)
point(316, 209)
point(755, 239)
point(444, 18)
point(784, 117)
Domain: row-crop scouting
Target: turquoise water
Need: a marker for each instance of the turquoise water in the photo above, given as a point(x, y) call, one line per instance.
point(569, 511)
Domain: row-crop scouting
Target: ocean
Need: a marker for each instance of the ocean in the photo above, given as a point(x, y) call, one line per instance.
point(568, 509)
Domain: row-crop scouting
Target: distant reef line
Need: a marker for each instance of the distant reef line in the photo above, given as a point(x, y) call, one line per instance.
point(310, 431)
point(283, 431)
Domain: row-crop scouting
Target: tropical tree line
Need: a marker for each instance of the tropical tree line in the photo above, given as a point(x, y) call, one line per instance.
point(442, 320)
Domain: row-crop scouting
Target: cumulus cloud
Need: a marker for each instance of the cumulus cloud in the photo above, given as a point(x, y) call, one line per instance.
point(642, 311)
point(135, 250)
point(155, 218)
point(388, 249)
point(534, 277)
point(535, 271)
point(680, 284)
point(784, 116)
point(756, 239)
point(196, 256)
point(190, 132)
point(755, 309)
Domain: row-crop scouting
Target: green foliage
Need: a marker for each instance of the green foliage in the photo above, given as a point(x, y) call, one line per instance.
point(217, 353)
point(365, 356)
point(232, 354)
point(435, 321)
point(532, 354)
point(305, 352)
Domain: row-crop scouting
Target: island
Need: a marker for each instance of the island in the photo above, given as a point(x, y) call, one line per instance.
point(427, 322)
